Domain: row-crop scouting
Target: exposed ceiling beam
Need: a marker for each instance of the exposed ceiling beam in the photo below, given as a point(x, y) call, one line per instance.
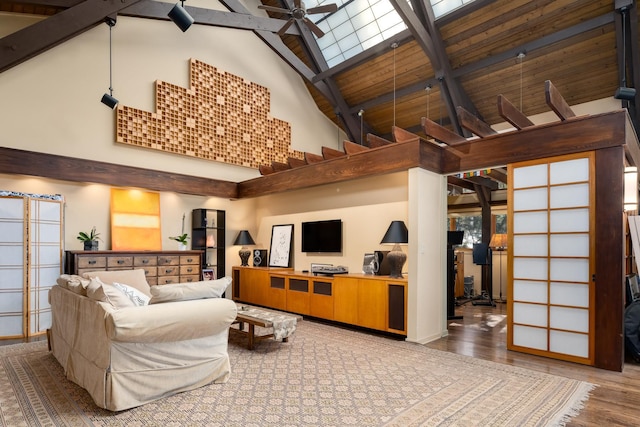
point(151, 9)
point(540, 43)
point(30, 41)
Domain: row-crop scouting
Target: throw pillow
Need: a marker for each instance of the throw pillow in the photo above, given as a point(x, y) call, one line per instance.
point(107, 293)
point(189, 291)
point(137, 298)
point(135, 278)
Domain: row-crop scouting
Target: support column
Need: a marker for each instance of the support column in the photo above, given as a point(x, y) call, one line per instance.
point(427, 295)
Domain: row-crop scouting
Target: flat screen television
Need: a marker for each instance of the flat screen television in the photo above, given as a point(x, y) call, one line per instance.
point(322, 236)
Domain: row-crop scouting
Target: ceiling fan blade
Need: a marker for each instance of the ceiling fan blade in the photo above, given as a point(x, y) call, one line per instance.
point(297, 4)
point(327, 8)
point(274, 9)
point(285, 27)
point(314, 28)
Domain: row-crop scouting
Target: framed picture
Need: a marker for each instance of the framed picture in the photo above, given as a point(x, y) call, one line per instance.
point(281, 245)
point(209, 274)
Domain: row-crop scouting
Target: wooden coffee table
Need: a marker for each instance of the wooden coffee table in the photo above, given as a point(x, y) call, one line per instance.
point(283, 325)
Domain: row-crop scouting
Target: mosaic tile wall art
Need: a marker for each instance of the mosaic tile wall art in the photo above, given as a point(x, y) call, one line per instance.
point(220, 117)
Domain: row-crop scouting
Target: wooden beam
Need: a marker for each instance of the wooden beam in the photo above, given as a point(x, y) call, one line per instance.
point(330, 153)
point(295, 162)
point(510, 113)
point(279, 166)
point(400, 135)
point(37, 38)
point(459, 182)
point(556, 102)
point(585, 133)
point(473, 124)
point(265, 169)
point(313, 158)
point(387, 159)
point(440, 133)
point(375, 141)
point(353, 148)
point(483, 182)
point(21, 162)
point(499, 175)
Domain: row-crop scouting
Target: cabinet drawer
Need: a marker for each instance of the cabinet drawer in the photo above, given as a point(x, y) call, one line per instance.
point(169, 260)
point(143, 261)
point(168, 270)
point(189, 278)
point(190, 259)
point(150, 272)
point(119, 261)
point(91, 262)
point(189, 269)
point(168, 280)
point(152, 280)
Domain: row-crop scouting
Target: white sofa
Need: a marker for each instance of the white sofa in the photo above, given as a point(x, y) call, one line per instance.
point(126, 355)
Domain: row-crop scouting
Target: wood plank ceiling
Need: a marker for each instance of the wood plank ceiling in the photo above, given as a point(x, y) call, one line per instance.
point(467, 58)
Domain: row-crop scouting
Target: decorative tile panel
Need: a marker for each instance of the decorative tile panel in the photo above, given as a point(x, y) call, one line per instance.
point(221, 117)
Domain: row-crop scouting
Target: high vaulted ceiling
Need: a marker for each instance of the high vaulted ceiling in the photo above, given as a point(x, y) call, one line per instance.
point(463, 59)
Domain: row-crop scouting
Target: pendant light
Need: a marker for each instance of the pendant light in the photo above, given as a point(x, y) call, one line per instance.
point(107, 98)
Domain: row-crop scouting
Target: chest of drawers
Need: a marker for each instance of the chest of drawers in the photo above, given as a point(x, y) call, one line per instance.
point(161, 267)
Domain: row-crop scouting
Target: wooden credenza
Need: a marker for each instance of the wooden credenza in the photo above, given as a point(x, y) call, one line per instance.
point(161, 267)
point(374, 302)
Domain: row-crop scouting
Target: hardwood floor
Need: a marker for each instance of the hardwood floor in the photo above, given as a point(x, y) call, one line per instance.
point(482, 333)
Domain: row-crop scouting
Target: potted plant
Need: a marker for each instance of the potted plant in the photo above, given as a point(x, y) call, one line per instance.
point(182, 239)
point(90, 239)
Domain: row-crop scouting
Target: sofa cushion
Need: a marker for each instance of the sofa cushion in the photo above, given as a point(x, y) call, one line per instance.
point(135, 278)
point(75, 284)
point(99, 291)
point(137, 298)
point(189, 291)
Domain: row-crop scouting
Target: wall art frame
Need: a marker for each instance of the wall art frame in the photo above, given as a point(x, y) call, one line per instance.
point(281, 246)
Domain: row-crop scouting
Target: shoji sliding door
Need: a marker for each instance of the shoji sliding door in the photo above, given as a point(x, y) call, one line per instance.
point(551, 210)
point(30, 262)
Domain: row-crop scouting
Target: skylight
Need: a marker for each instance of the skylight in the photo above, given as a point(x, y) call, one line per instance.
point(361, 24)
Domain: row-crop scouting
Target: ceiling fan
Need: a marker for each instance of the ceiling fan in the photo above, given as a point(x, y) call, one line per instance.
point(299, 13)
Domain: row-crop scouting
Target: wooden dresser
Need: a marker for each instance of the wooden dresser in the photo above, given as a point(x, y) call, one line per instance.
point(161, 267)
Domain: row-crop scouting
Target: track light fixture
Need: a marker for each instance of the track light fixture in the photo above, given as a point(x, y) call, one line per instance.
point(107, 98)
point(181, 17)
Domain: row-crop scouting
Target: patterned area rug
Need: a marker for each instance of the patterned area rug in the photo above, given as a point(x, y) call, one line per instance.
point(324, 376)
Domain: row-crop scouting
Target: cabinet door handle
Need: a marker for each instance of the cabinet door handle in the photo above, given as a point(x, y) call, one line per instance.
point(168, 270)
point(120, 261)
point(189, 259)
point(189, 270)
point(145, 261)
point(91, 262)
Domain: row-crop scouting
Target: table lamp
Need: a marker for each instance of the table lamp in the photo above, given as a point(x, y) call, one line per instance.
point(244, 239)
point(396, 233)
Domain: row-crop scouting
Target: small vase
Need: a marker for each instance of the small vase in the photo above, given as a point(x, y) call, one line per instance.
point(91, 245)
point(182, 247)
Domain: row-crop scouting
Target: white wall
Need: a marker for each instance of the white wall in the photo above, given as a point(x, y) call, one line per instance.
point(87, 205)
point(51, 103)
point(366, 208)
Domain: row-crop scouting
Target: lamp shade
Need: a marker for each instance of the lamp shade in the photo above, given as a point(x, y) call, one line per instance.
point(498, 241)
point(396, 233)
point(244, 238)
